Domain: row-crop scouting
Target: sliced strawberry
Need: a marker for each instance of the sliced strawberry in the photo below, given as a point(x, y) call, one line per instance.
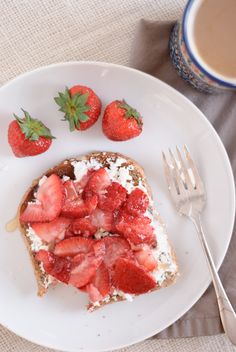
point(116, 247)
point(59, 268)
point(79, 207)
point(75, 206)
point(101, 280)
point(83, 227)
point(136, 229)
point(51, 196)
point(70, 190)
point(83, 288)
point(73, 246)
point(113, 198)
point(82, 273)
point(69, 233)
point(98, 182)
point(93, 293)
point(146, 258)
point(132, 278)
point(80, 185)
point(50, 190)
point(99, 248)
point(51, 231)
point(34, 213)
point(91, 203)
point(137, 202)
point(47, 258)
point(102, 219)
point(78, 259)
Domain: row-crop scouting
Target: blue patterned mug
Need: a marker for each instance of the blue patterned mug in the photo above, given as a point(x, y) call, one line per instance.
point(186, 58)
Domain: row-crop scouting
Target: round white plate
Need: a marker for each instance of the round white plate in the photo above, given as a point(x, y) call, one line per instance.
point(60, 320)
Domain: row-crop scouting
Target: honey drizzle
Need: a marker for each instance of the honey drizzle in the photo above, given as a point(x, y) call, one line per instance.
point(12, 225)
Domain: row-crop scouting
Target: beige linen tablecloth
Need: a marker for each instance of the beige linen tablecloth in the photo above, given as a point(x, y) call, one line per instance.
point(39, 32)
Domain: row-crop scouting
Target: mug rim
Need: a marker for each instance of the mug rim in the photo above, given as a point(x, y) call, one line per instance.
point(191, 54)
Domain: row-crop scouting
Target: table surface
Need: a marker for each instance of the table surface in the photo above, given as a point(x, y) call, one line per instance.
point(40, 32)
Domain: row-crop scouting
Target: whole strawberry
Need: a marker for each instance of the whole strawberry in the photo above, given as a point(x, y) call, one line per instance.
point(121, 122)
point(28, 136)
point(81, 106)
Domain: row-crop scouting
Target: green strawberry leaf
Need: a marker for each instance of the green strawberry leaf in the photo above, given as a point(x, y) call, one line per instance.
point(131, 112)
point(74, 107)
point(32, 128)
point(83, 117)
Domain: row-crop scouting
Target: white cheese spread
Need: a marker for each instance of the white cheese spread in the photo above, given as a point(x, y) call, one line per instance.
point(36, 242)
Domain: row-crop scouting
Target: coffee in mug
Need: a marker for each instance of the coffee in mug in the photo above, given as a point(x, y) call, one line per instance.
point(203, 44)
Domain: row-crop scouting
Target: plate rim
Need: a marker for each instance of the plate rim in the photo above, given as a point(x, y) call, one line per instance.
point(222, 149)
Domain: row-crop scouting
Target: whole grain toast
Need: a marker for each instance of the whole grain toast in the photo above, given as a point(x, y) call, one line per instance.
point(65, 168)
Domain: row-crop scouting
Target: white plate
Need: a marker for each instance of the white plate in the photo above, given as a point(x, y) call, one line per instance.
point(59, 320)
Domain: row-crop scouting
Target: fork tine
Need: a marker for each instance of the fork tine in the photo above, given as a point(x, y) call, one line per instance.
point(171, 181)
point(198, 181)
point(176, 171)
point(188, 182)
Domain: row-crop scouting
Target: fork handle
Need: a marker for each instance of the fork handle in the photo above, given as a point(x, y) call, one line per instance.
point(227, 314)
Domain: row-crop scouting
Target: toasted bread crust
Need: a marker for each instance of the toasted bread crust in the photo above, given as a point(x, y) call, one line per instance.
point(65, 168)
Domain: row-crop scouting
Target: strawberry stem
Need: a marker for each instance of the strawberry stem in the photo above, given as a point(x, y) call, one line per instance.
point(74, 107)
point(131, 112)
point(32, 128)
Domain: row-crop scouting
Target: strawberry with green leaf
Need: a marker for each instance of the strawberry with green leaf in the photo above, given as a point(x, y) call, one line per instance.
point(28, 136)
point(80, 105)
point(121, 122)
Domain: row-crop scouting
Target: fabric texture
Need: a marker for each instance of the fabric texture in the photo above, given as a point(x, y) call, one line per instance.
point(151, 54)
point(34, 33)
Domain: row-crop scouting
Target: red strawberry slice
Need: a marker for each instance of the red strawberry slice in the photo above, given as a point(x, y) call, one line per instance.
point(93, 293)
point(78, 259)
point(83, 288)
point(79, 207)
point(82, 272)
point(83, 227)
point(34, 213)
point(69, 233)
point(132, 278)
point(57, 267)
point(98, 182)
point(113, 198)
point(86, 266)
point(80, 185)
point(73, 246)
point(136, 229)
point(49, 189)
point(75, 206)
point(101, 280)
point(70, 190)
point(116, 247)
point(51, 197)
point(102, 219)
point(146, 258)
point(99, 248)
point(52, 231)
point(137, 202)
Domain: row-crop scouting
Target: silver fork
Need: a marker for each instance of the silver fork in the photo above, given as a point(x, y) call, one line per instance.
point(188, 194)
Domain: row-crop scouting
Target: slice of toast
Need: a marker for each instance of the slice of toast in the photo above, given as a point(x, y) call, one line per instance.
point(128, 173)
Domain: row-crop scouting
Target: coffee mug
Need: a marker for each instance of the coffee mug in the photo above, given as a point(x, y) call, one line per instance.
point(200, 45)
